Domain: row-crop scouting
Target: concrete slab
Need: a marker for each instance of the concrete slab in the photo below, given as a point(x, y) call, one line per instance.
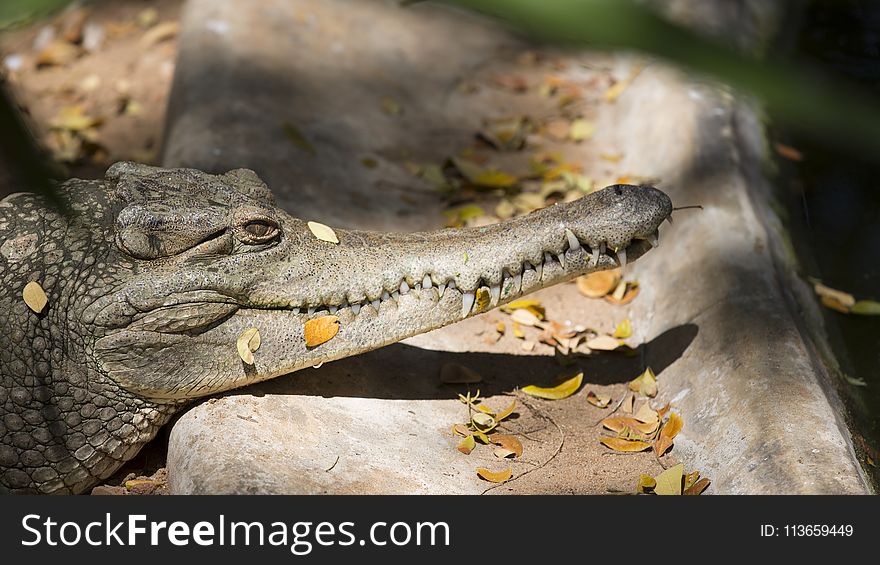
point(712, 319)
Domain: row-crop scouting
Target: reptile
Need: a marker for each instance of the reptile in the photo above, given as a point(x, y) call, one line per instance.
point(154, 274)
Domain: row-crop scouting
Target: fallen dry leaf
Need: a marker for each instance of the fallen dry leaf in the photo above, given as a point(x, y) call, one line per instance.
point(558, 392)
point(669, 481)
point(603, 343)
point(461, 430)
point(646, 414)
point(34, 296)
point(581, 129)
point(646, 484)
point(503, 453)
point(788, 152)
point(624, 329)
point(506, 412)
point(321, 330)
point(627, 406)
point(600, 400)
point(866, 308)
point(322, 232)
point(508, 442)
point(668, 433)
point(531, 305)
point(598, 284)
point(628, 292)
point(619, 423)
point(844, 298)
point(455, 373)
point(698, 487)
point(494, 477)
point(645, 384)
point(524, 317)
point(624, 445)
point(247, 343)
point(467, 445)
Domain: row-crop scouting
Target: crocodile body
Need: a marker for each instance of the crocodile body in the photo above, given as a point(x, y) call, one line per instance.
point(157, 272)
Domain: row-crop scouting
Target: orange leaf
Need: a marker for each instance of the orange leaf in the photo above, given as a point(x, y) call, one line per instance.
point(668, 433)
point(494, 477)
point(321, 330)
point(508, 442)
point(618, 444)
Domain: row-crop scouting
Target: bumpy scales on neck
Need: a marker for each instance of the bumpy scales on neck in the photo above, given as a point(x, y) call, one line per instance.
point(158, 272)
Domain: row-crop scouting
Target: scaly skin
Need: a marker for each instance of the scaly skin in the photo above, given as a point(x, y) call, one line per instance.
point(157, 272)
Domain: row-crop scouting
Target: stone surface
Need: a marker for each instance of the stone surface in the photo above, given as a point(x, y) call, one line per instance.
point(712, 319)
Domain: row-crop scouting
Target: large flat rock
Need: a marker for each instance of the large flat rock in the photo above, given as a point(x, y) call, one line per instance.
point(712, 320)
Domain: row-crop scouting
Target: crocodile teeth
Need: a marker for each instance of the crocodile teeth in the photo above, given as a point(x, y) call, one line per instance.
point(355, 309)
point(561, 259)
point(440, 289)
point(333, 310)
point(494, 294)
point(547, 257)
point(451, 283)
point(669, 219)
point(385, 296)
point(395, 296)
point(426, 282)
point(539, 269)
point(311, 310)
point(595, 255)
point(654, 239)
point(573, 242)
point(467, 303)
point(375, 304)
point(621, 257)
point(517, 284)
point(404, 288)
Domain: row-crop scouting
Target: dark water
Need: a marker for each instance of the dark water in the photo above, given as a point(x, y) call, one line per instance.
point(834, 199)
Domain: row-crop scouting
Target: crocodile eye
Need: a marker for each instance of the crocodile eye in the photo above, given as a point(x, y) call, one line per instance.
point(259, 231)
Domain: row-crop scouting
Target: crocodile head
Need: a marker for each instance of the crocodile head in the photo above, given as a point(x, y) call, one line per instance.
point(159, 272)
point(214, 257)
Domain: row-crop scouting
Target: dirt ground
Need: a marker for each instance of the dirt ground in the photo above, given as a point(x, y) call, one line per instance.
point(95, 82)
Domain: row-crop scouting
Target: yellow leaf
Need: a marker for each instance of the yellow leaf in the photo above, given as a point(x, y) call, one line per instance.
point(624, 293)
point(322, 232)
point(646, 484)
point(668, 433)
point(624, 329)
point(627, 406)
point(482, 299)
point(508, 442)
point(483, 438)
point(458, 217)
point(603, 343)
point(494, 179)
point(73, 118)
point(559, 392)
point(321, 330)
point(669, 481)
point(500, 328)
point(34, 296)
point(866, 308)
point(581, 130)
point(296, 137)
point(494, 477)
point(691, 479)
point(600, 400)
point(645, 384)
point(247, 343)
point(517, 331)
point(506, 412)
point(533, 306)
point(524, 317)
point(467, 445)
point(843, 298)
point(624, 445)
point(483, 422)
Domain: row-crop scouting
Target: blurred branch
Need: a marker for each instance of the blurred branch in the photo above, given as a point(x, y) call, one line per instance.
point(802, 98)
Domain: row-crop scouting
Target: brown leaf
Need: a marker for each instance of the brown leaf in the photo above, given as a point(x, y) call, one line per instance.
point(698, 487)
point(624, 445)
point(508, 442)
point(461, 430)
point(494, 476)
point(503, 453)
point(58, 52)
point(646, 414)
point(321, 330)
point(788, 152)
point(631, 290)
point(34, 296)
point(668, 433)
point(620, 423)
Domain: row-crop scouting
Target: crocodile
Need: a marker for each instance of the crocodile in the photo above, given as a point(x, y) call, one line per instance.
point(153, 275)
